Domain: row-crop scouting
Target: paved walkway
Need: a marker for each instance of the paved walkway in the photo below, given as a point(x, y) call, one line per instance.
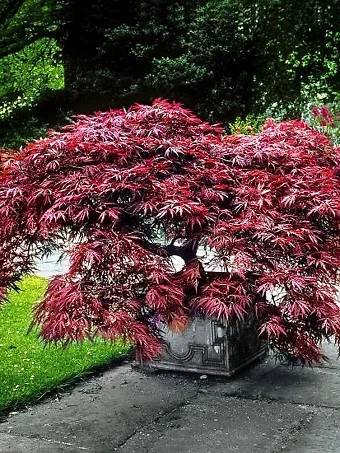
point(268, 409)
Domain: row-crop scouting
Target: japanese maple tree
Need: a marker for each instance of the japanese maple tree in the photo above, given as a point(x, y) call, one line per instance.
point(130, 190)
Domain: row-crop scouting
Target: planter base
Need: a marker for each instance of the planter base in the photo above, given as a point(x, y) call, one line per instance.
point(211, 346)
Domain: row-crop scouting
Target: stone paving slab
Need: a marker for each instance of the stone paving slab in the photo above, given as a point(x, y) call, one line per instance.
point(102, 413)
point(268, 409)
point(316, 386)
point(320, 435)
point(214, 424)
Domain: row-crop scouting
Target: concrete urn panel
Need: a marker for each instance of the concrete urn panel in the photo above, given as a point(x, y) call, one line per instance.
point(211, 346)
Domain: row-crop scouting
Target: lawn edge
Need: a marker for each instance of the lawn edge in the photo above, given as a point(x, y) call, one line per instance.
point(68, 384)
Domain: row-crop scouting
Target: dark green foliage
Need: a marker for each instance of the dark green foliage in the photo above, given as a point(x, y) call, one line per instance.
point(215, 73)
point(222, 58)
point(14, 133)
point(192, 51)
point(110, 53)
point(298, 45)
point(32, 122)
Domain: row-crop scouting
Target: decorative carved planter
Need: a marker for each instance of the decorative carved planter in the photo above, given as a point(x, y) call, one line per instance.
point(211, 346)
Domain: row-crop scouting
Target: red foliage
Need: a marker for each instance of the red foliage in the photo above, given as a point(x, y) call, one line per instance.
point(133, 188)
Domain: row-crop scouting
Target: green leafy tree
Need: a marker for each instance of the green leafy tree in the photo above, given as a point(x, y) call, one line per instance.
point(27, 74)
point(298, 52)
point(30, 66)
point(223, 59)
point(24, 22)
point(215, 72)
point(109, 53)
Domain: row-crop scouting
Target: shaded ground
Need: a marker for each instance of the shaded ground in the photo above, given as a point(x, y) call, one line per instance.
point(268, 409)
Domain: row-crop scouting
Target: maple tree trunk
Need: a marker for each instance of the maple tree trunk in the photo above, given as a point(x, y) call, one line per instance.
point(187, 251)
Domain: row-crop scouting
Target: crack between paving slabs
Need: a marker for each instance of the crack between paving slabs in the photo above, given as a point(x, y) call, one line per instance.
point(245, 396)
point(45, 439)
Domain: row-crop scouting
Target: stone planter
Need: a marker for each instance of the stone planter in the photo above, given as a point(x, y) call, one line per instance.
point(210, 346)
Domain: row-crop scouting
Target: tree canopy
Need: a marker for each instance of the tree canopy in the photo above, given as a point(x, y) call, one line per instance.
point(133, 188)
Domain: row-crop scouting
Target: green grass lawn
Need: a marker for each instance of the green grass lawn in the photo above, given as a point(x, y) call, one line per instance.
point(28, 368)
